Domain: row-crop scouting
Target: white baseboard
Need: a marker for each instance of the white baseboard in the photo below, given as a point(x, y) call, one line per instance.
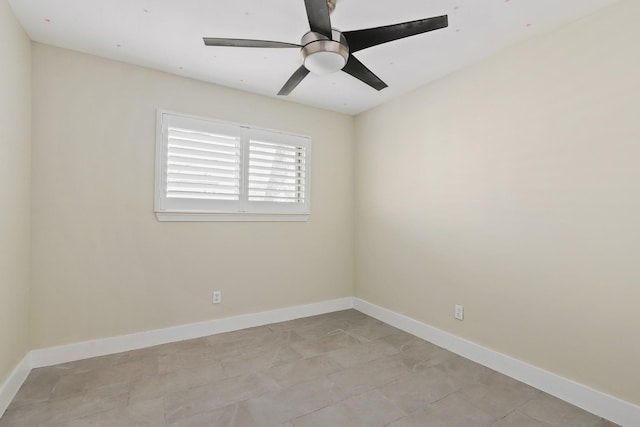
point(601, 404)
point(13, 382)
point(101, 347)
point(596, 402)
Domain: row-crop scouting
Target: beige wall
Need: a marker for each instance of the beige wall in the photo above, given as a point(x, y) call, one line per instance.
point(104, 266)
point(513, 188)
point(510, 188)
point(15, 170)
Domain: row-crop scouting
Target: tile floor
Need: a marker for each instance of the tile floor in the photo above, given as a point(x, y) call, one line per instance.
point(339, 369)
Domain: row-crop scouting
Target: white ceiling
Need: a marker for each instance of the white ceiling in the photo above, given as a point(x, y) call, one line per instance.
point(167, 35)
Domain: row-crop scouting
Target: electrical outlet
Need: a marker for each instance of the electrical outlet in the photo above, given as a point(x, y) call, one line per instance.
point(217, 297)
point(459, 312)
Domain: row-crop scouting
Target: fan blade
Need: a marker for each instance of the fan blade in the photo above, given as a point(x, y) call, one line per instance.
point(358, 70)
point(362, 39)
point(245, 43)
point(294, 81)
point(318, 14)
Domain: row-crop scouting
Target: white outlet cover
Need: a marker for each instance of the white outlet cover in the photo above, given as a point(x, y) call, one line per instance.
point(217, 297)
point(459, 312)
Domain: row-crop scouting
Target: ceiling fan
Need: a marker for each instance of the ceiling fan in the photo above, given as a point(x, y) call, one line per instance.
point(326, 50)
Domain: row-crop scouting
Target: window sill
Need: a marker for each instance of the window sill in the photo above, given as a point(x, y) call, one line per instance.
point(229, 217)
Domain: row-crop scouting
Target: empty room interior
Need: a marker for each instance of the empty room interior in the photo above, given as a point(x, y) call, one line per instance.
point(441, 230)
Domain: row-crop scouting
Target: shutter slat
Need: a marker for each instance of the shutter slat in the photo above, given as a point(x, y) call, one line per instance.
point(285, 173)
point(275, 147)
point(273, 186)
point(204, 155)
point(270, 154)
point(274, 195)
point(275, 178)
point(227, 146)
point(275, 200)
point(206, 145)
point(195, 184)
point(285, 153)
point(201, 163)
point(196, 147)
point(276, 164)
point(204, 137)
point(201, 179)
point(203, 171)
point(279, 158)
point(199, 188)
point(201, 196)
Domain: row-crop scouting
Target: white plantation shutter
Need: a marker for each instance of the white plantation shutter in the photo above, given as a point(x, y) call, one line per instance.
point(208, 167)
point(202, 165)
point(278, 167)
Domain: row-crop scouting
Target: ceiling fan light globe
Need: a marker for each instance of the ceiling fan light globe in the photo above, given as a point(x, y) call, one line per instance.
point(324, 63)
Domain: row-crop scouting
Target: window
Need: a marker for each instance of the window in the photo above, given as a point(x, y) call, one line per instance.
point(208, 170)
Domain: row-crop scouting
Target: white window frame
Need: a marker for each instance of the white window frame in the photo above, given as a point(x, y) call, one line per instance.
point(167, 209)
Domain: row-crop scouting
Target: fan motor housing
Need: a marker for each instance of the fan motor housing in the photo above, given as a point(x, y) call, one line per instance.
point(316, 43)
